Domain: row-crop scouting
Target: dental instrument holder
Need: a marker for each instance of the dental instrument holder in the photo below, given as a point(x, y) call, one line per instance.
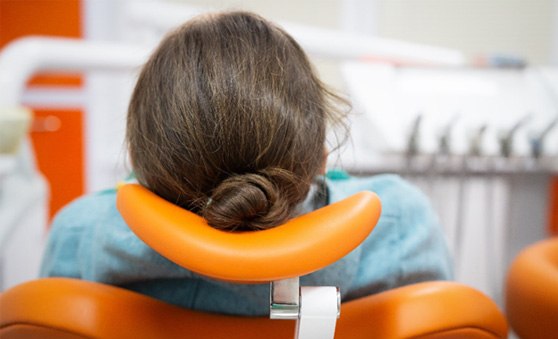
point(445, 144)
point(475, 148)
point(316, 309)
point(537, 143)
point(413, 144)
point(506, 140)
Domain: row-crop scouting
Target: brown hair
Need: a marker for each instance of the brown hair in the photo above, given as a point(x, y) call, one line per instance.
point(228, 120)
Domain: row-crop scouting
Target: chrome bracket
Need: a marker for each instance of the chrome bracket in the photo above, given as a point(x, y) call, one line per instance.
point(285, 299)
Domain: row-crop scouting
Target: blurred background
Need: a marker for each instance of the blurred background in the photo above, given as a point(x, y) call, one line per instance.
point(460, 97)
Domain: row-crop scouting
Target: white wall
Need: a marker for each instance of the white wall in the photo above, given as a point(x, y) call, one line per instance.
point(474, 26)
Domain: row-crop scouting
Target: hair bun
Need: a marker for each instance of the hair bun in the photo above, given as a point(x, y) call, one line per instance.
point(250, 201)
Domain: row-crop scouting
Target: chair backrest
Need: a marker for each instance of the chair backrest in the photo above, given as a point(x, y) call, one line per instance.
point(532, 291)
point(70, 308)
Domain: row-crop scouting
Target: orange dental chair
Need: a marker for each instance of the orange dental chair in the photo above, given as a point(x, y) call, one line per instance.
point(532, 291)
point(70, 308)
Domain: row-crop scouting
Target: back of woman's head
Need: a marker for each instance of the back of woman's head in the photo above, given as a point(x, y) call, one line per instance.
point(228, 120)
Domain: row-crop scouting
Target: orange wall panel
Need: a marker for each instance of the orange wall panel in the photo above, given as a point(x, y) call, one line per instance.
point(58, 141)
point(57, 135)
point(41, 17)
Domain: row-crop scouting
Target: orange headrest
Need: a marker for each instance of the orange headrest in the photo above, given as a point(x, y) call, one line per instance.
point(301, 246)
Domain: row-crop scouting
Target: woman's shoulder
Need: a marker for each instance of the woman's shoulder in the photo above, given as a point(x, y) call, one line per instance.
point(86, 209)
point(73, 230)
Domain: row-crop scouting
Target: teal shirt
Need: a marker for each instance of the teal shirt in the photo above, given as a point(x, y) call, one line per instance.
point(90, 240)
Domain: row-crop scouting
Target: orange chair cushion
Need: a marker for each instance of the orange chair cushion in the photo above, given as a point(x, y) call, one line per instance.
point(302, 245)
point(532, 291)
point(69, 308)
